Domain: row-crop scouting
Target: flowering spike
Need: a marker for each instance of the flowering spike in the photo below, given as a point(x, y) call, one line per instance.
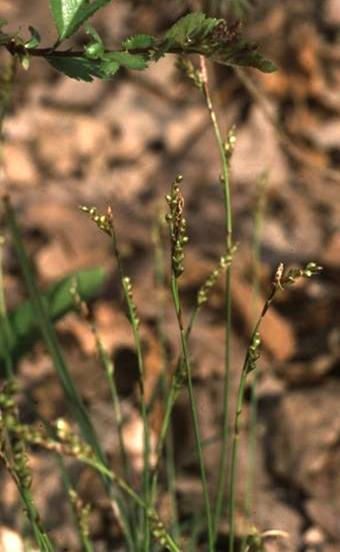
point(177, 225)
point(104, 222)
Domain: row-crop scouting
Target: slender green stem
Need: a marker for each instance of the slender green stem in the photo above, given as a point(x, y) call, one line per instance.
point(173, 393)
point(127, 289)
point(109, 372)
point(256, 250)
point(40, 536)
point(8, 455)
point(228, 305)
point(159, 263)
point(281, 281)
point(248, 365)
point(49, 336)
point(157, 527)
point(194, 413)
point(81, 452)
point(6, 335)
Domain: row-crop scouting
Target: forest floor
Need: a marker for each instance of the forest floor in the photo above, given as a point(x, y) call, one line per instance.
point(122, 143)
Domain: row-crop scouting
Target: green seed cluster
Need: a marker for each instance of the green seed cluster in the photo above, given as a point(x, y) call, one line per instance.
point(284, 279)
point(230, 142)
point(9, 422)
point(79, 304)
point(158, 530)
point(177, 225)
point(253, 352)
point(104, 222)
point(205, 289)
point(71, 444)
point(187, 67)
point(131, 304)
point(82, 512)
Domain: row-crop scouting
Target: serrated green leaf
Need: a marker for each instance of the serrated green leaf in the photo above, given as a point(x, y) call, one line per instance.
point(135, 62)
point(138, 41)
point(243, 54)
point(191, 29)
point(82, 68)
point(58, 301)
point(69, 15)
point(257, 61)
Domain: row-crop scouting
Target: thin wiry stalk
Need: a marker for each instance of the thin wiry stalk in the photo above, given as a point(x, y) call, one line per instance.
point(179, 377)
point(157, 527)
point(81, 514)
point(24, 490)
point(109, 371)
point(194, 413)
point(13, 453)
point(127, 290)
point(49, 336)
point(281, 282)
point(81, 452)
point(237, 425)
point(256, 254)
point(159, 263)
point(6, 86)
point(40, 535)
point(222, 469)
point(178, 240)
point(5, 327)
point(84, 540)
point(108, 367)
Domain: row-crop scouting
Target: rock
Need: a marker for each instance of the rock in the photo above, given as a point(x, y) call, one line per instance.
point(331, 254)
point(73, 242)
point(326, 135)
point(306, 372)
point(313, 537)
point(71, 93)
point(249, 161)
point(18, 165)
point(325, 516)
point(276, 333)
point(331, 12)
point(303, 436)
point(10, 541)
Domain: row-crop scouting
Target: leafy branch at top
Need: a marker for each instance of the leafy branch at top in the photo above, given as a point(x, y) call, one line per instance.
point(194, 33)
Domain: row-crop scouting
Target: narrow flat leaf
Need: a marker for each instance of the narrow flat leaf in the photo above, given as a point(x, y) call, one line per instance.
point(69, 15)
point(58, 301)
point(83, 69)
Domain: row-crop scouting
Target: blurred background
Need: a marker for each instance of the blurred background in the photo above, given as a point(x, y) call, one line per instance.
point(122, 143)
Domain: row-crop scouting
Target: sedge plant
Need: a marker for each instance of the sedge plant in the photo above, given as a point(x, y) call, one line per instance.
point(134, 506)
